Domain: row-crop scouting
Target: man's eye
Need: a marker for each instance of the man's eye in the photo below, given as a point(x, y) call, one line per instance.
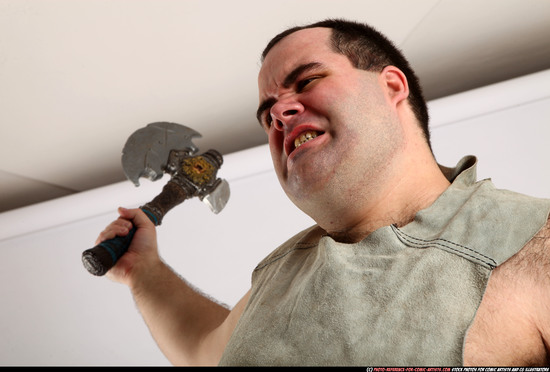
point(303, 83)
point(267, 119)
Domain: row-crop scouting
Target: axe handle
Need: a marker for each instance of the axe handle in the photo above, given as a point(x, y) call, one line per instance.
point(99, 259)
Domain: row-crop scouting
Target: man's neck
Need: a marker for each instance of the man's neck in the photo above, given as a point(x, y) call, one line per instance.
point(411, 191)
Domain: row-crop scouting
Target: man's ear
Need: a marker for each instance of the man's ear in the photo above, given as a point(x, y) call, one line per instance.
point(396, 83)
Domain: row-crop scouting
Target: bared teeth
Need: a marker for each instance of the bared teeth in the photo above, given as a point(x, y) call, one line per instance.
point(304, 137)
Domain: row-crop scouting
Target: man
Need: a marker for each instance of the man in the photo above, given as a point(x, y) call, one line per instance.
point(402, 268)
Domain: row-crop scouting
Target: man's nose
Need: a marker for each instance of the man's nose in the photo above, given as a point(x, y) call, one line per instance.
point(283, 111)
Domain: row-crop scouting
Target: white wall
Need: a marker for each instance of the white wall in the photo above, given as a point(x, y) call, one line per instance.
point(506, 125)
point(54, 313)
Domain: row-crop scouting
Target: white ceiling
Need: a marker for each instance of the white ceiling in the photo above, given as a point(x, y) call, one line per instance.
point(77, 77)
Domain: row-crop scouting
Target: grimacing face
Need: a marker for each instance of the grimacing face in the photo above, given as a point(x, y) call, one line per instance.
point(331, 127)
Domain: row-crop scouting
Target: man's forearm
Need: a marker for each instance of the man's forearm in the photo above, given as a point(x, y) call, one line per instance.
point(179, 318)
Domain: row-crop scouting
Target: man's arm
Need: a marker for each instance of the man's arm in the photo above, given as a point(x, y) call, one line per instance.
point(540, 245)
point(189, 328)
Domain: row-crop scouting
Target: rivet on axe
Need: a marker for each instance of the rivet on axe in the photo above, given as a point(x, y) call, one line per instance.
point(150, 152)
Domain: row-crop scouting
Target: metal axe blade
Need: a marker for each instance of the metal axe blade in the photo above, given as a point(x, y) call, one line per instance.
point(147, 150)
point(218, 197)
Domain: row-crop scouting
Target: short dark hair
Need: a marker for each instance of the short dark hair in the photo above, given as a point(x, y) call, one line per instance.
point(368, 49)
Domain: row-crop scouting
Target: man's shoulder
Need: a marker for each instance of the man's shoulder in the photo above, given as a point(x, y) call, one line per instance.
point(512, 324)
point(528, 271)
point(533, 260)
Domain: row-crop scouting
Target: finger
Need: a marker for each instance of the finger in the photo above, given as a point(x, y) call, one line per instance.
point(113, 230)
point(119, 227)
point(137, 216)
point(123, 222)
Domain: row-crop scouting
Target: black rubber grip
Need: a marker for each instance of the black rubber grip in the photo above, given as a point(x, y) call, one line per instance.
point(99, 259)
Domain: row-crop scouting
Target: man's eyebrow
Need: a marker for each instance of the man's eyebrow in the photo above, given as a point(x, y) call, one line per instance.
point(287, 82)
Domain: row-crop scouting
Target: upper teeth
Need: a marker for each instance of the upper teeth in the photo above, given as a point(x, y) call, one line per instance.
point(304, 137)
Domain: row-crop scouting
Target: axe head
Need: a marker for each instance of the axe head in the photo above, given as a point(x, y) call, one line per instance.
point(147, 150)
point(164, 147)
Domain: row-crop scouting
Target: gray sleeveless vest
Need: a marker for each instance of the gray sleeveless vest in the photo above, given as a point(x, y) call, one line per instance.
point(402, 296)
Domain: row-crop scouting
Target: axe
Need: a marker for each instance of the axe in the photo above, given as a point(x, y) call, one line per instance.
point(150, 152)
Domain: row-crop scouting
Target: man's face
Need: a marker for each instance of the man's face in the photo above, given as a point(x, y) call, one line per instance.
point(329, 124)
